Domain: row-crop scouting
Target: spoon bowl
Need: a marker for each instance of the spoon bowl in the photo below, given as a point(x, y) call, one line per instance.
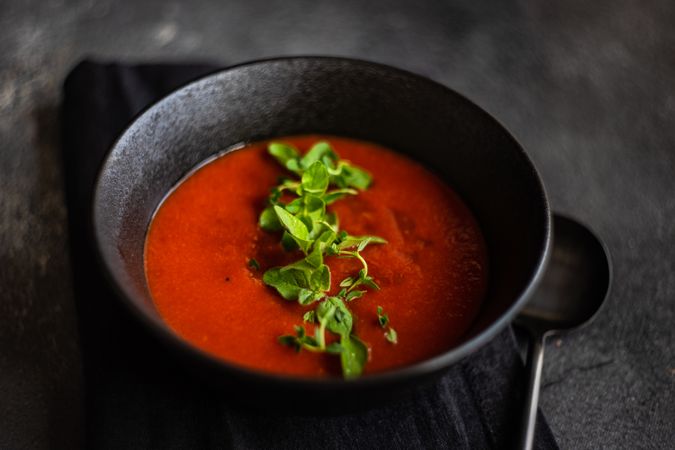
point(574, 287)
point(575, 284)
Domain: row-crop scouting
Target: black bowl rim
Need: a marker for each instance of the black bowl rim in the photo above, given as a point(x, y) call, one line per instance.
point(427, 367)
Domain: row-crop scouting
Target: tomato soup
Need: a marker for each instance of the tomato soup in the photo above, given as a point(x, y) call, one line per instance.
point(432, 272)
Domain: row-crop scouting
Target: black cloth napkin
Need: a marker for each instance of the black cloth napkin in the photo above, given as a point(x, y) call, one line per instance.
point(137, 396)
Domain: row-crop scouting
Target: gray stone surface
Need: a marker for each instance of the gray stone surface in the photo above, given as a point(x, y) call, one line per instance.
point(586, 86)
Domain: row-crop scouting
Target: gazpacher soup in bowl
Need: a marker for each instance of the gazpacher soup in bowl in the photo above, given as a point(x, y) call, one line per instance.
point(320, 227)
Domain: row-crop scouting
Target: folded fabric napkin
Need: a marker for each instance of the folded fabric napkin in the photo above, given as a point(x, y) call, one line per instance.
point(138, 396)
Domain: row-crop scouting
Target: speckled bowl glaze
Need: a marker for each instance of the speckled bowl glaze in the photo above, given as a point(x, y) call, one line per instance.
point(452, 136)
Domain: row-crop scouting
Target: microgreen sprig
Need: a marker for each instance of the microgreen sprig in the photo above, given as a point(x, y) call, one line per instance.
point(383, 320)
point(308, 226)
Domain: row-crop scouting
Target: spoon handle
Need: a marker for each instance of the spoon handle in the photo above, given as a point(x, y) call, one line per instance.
point(535, 361)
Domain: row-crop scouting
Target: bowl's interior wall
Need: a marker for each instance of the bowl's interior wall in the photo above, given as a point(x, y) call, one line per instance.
point(453, 137)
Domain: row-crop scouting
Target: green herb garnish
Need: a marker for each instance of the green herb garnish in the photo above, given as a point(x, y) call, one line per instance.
point(321, 178)
point(383, 320)
point(391, 336)
point(309, 317)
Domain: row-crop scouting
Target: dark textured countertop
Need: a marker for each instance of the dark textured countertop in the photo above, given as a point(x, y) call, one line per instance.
point(588, 88)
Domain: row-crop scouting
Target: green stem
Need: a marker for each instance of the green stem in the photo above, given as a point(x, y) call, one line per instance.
point(321, 339)
point(311, 348)
point(358, 256)
point(331, 227)
point(290, 186)
point(363, 261)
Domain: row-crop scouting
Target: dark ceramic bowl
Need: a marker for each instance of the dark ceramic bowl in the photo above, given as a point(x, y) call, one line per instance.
point(452, 136)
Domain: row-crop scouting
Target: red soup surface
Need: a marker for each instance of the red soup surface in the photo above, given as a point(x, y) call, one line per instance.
point(432, 273)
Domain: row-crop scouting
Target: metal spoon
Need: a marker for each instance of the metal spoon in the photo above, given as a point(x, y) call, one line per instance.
point(574, 287)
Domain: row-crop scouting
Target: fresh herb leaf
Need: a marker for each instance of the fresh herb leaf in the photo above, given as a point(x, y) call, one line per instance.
point(324, 313)
point(353, 356)
point(391, 336)
point(321, 151)
point(324, 241)
point(300, 340)
point(356, 177)
point(347, 282)
point(369, 282)
point(360, 242)
point(295, 227)
point(288, 242)
point(334, 348)
point(353, 295)
point(268, 220)
point(293, 207)
point(309, 317)
point(284, 282)
point(382, 318)
point(315, 258)
point(307, 296)
point(320, 278)
point(315, 207)
point(292, 224)
point(315, 179)
point(294, 166)
point(337, 194)
point(290, 341)
point(332, 250)
point(283, 152)
point(341, 321)
point(331, 220)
